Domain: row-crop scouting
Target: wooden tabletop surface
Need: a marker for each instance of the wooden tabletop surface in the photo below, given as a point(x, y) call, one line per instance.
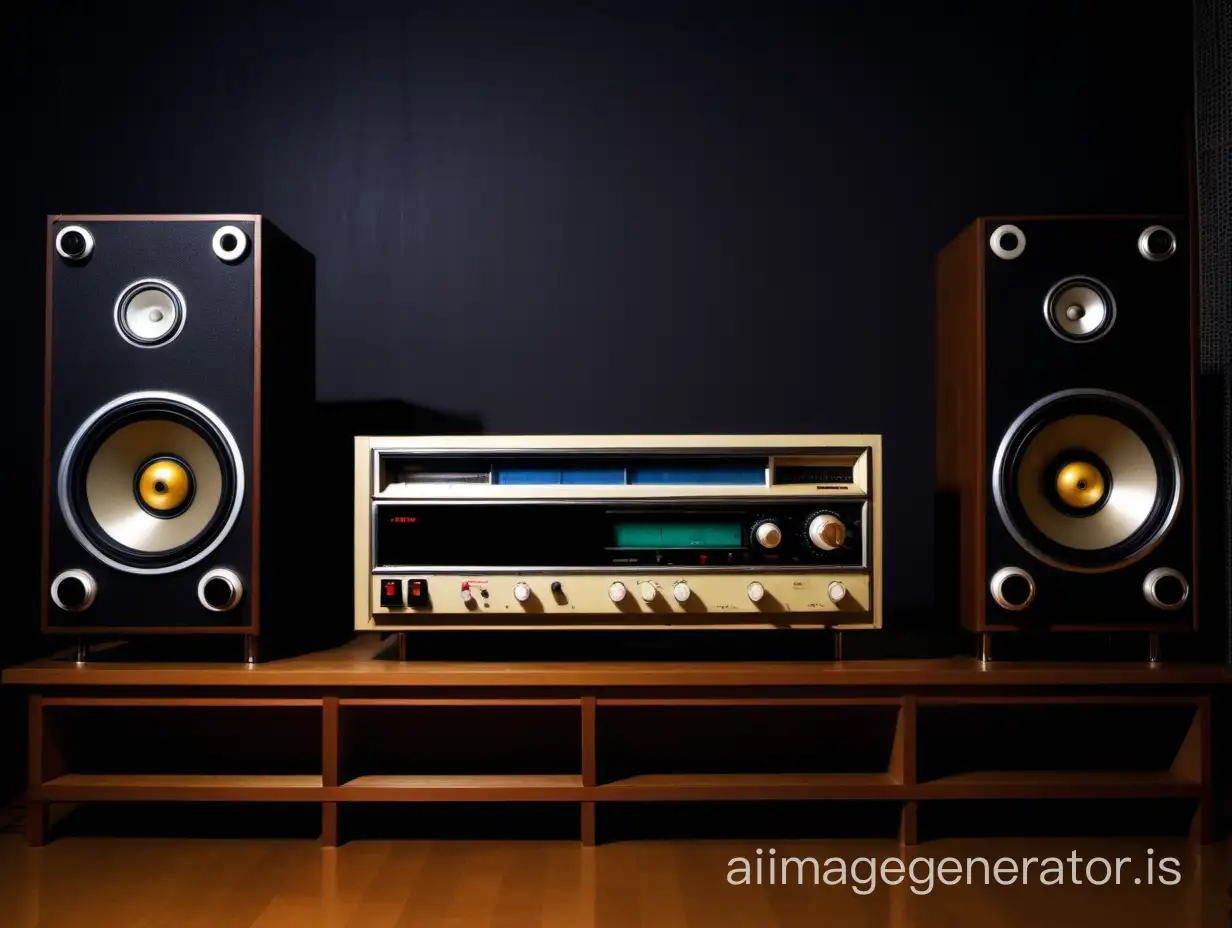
point(367, 661)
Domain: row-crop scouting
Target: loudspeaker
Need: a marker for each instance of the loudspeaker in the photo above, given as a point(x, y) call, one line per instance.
point(1065, 423)
point(180, 380)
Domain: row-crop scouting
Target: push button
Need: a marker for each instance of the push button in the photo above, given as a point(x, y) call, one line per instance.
point(417, 593)
point(391, 593)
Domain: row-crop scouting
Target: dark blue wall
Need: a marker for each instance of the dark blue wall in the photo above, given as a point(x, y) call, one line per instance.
point(640, 220)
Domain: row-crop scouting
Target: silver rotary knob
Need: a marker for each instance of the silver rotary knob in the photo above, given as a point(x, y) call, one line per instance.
point(73, 591)
point(756, 592)
point(827, 532)
point(648, 592)
point(616, 592)
point(837, 592)
point(220, 590)
point(521, 592)
point(681, 591)
point(768, 535)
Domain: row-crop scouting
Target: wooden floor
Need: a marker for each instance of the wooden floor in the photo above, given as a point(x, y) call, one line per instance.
point(268, 883)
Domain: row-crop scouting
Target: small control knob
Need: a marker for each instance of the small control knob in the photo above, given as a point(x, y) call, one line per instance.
point(648, 592)
point(768, 535)
point(220, 590)
point(1165, 588)
point(681, 591)
point(837, 592)
point(756, 592)
point(521, 592)
point(616, 592)
point(1012, 588)
point(827, 532)
point(467, 596)
point(73, 591)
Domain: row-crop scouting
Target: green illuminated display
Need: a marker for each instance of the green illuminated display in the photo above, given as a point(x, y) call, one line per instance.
point(677, 535)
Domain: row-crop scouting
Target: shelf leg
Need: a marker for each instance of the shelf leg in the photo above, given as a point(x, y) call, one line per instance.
point(908, 824)
point(37, 822)
point(588, 824)
point(401, 645)
point(1155, 649)
point(83, 651)
point(985, 648)
point(329, 824)
point(252, 649)
point(838, 645)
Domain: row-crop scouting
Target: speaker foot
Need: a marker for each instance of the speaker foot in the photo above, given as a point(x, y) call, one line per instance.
point(83, 651)
point(985, 648)
point(838, 645)
point(1155, 646)
point(252, 649)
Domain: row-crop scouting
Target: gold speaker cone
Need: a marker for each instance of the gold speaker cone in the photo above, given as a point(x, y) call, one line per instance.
point(1129, 500)
point(109, 485)
point(164, 485)
point(1080, 485)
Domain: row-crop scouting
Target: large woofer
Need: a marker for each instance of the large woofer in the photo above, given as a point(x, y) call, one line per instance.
point(151, 482)
point(1087, 480)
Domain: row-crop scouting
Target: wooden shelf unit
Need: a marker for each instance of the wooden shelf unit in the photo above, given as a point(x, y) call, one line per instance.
point(727, 733)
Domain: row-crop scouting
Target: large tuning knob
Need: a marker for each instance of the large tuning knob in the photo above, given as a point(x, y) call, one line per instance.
point(827, 532)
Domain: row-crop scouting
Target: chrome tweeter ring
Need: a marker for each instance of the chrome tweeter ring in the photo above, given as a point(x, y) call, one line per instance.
point(230, 243)
point(1165, 588)
point(1012, 588)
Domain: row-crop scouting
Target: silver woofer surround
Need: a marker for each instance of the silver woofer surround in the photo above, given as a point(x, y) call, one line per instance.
point(1133, 498)
point(139, 530)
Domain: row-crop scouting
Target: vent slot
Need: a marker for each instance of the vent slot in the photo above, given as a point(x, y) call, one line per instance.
point(428, 469)
point(825, 475)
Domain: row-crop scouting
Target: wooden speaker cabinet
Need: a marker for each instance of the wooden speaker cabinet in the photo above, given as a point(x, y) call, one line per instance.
point(1065, 424)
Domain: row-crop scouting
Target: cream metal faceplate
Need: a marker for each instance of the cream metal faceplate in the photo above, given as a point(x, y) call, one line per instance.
point(718, 597)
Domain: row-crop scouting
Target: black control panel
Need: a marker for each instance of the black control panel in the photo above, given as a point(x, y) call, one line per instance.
point(602, 534)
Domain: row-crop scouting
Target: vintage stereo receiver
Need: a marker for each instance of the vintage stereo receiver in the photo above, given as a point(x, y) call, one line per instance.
point(604, 531)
